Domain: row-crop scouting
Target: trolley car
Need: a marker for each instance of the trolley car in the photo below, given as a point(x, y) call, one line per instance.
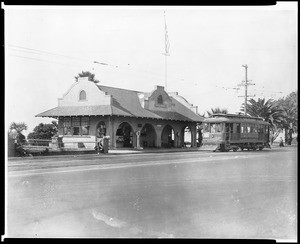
point(225, 132)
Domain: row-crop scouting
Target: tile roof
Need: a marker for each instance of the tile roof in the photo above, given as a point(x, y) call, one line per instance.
point(128, 101)
point(124, 103)
point(82, 110)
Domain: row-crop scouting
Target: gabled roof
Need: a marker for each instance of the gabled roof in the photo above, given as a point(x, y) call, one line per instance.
point(124, 103)
point(128, 101)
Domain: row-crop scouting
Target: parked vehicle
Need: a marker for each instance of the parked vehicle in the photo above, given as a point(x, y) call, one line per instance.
point(225, 132)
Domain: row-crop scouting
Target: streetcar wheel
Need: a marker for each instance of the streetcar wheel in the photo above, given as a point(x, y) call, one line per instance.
point(242, 148)
point(234, 149)
point(261, 148)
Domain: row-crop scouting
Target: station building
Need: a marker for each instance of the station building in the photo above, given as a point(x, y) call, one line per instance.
point(132, 119)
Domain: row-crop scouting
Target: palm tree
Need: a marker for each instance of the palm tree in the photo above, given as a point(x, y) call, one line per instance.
point(289, 105)
point(18, 127)
point(88, 74)
point(217, 111)
point(269, 110)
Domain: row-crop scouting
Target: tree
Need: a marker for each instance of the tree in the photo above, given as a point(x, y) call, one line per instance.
point(20, 138)
point(289, 124)
point(18, 127)
point(44, 131)
point(217, 111)
point(269, 110)
point(90, 75)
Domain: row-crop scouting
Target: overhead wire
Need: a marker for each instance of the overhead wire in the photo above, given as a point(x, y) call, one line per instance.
point(41, 52)
point(34, 51)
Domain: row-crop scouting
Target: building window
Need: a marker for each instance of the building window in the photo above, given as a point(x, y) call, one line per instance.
point(76, 126)
point(160, 99)
point(67, 126)
point(82, 95)
point(76, 131)
point(85, 125)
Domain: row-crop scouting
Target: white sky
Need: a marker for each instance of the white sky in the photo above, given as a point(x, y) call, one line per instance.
point(45, 47)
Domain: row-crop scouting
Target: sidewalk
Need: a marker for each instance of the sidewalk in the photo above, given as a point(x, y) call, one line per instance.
point(110, 152)
point(122, 152)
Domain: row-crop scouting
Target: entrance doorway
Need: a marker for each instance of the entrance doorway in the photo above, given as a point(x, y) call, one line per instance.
point(124, 136)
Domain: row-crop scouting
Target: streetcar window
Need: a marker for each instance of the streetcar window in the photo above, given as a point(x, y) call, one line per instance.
point(260, 129)
point(266, 129)
point(206, 127)
point(255, 129)
point(238, 128)
point(219, 128)
point(212, 128)
point(248, 128)
point(216, 128)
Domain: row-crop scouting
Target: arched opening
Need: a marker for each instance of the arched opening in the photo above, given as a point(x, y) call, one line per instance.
point(160, 99)
point(167, 137)
point(187, 136)
point(124, 136)
point(82, 95)
point(101, 130)
point(148, 136)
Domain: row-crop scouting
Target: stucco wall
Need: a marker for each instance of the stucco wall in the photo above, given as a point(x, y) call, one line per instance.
point(94, 96)
point(113, 123)
point(151, 101)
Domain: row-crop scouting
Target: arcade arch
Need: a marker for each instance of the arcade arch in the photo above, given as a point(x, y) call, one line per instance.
point(167, 137)
point(186, 134)
point(147, 136)
point(124, 135)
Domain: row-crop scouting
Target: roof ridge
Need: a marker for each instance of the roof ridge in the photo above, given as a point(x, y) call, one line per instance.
point(99, 86)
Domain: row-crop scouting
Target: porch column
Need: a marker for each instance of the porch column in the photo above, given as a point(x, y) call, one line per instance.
point(137, 133)
point(193, 135)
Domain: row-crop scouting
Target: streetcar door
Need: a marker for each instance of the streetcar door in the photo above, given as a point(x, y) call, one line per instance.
point(228, 131)
point(238, 131)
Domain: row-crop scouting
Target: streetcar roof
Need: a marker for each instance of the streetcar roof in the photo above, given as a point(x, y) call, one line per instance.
point(234, 118)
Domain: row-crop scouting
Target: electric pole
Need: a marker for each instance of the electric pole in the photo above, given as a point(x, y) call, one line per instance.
point(247, 83)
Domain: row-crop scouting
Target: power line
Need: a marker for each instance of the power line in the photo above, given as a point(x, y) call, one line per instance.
point(33, 51)
point(36, 59)
point(44, 52)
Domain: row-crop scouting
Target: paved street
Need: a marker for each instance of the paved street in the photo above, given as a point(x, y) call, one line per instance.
point(249, 194)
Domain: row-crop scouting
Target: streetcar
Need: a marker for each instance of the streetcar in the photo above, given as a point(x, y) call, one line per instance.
point(225, 132)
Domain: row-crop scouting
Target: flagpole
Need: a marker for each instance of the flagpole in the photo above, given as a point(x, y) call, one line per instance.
point(166, 52)
point(166, 84)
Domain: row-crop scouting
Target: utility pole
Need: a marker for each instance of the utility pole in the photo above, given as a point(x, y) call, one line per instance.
point(247, 83)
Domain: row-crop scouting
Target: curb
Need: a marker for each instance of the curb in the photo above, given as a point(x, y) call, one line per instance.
point(110, 153)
